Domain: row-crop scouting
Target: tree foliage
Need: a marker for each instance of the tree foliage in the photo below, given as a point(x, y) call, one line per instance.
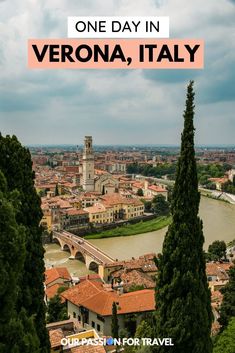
point(144, 330)
point(227, 309)
point(140, 192)
point(182, 293)
point(226, 340)
point(114, 324)
point(160, 206)
point(217, 249)
point(16, 165)
point(57, 311)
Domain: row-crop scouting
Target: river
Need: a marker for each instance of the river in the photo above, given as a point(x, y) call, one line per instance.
point(218, 221)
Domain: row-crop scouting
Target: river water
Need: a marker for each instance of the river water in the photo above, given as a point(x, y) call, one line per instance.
point(218, 221)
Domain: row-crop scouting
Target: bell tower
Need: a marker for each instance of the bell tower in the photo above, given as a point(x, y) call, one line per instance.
point(88, 165)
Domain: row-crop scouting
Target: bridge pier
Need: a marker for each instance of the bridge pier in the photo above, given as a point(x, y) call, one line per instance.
point(84, 251)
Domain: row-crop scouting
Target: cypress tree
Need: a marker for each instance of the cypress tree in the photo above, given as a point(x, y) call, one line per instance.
point(56, 190)
point(12, 255)
point(16, 165)
point(17, 333)
point(182, 294)
point(114, 324)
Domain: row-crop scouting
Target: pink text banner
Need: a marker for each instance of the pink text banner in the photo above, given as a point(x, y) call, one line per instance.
point(115, 54)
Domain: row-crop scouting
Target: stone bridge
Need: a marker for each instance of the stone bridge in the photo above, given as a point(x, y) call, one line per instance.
point(82, 250)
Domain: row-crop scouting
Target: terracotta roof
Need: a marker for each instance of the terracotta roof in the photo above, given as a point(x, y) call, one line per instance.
point(91, 277)
point(219, 180)
point(54, 273)
point(87, 349)
point(114, 199)
point(145, 263)
point(56, 337)
point(94, 297)
point(97, 208)
point(216, 297)
point(134, 277)
point(156, 188)
point(52, 291)
point(218, 269)
point(215, 328)
point(74, 212)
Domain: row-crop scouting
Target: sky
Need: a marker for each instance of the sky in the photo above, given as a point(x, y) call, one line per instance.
point(116, 106)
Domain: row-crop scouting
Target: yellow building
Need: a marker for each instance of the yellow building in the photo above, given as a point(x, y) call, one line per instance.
point(124, 208)
point(98, 213)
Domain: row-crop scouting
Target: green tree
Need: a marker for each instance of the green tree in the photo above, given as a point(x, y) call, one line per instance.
point(147, 205)
point(160, 205)
point(225, 342)
point(144, 330)
point(183, 308)
point(57, 311)
point(140, 192)
point(218, 249)
point(56, 190)
point(22, 334)
point(130, 323)
point(114, 324)
point(227, 309)
point(134, 287)
point(16, 165)
point(12, 255)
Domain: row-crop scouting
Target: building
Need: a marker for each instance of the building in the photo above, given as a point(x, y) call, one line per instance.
point(124, 208)
point(219, 182)
point(102, 183)
point(144, 264)
point(217, 274)
point(99, 214)
point(72, 332)
point(231, 175)
point(73, 218)
point(106, 184)
point(88, 165)
point(90, 302)
point(55, 278)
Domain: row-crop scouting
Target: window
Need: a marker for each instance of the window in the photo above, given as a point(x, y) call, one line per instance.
point(74, 315)
point(93, 324)
point(99, 317)
point(79, 318)
point(98, 327)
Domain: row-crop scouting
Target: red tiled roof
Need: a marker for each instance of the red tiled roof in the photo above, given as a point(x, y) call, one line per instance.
point(114, 199)
point(87, 349)
point(218, 269)
point(54, 273)
point(94, 297)
point(156, 188)
point(74, 212)
point(56, 337)
point(91, 277)
point(134, 277)
point(52, 291)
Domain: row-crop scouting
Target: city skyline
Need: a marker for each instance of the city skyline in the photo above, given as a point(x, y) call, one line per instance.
point(132, 107)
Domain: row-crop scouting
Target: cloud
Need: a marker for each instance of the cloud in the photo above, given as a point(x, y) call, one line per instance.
point(116, 106)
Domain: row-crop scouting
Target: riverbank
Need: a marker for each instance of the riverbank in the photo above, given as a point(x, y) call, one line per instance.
point(217, 195)
point(133, 229)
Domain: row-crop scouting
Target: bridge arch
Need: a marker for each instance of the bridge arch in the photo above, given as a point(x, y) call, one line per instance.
point(66, 247)
point(79, 256)
point(57, 241)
